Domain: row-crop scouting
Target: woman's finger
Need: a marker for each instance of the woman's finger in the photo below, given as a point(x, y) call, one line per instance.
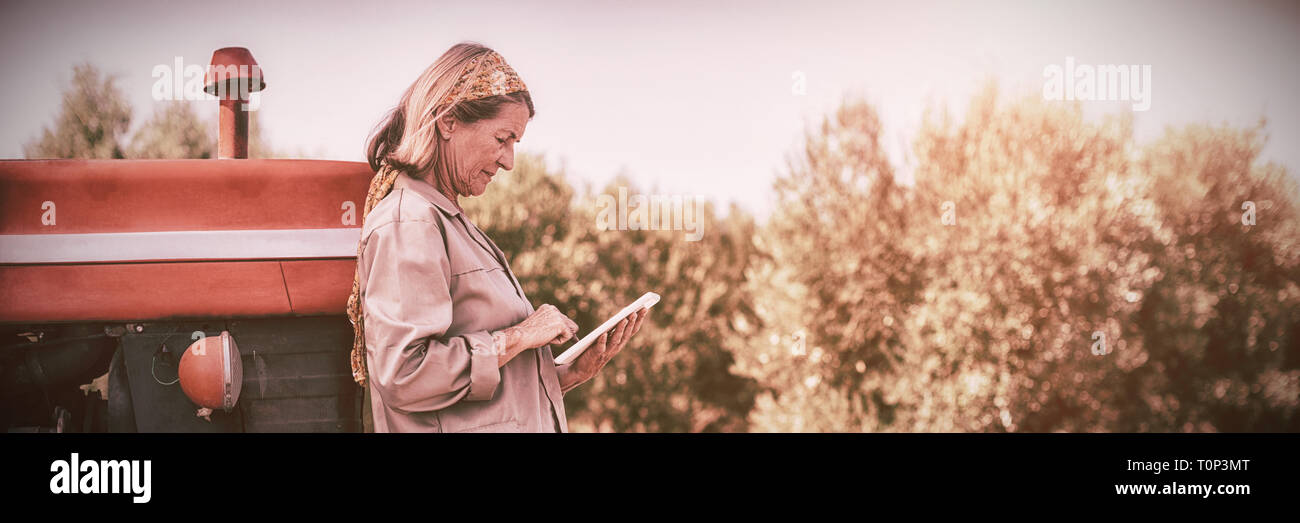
point(641, 319)
point(636, 326)
point(622, 337)
point(609, 353)
point(610, 344)
point(564, 335)
point(559, 334)
point(601, 344)
point(617, 336)
point(627, 333)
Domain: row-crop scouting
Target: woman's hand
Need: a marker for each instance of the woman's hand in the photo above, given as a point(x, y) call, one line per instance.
point(595, 357)
point(544, 326)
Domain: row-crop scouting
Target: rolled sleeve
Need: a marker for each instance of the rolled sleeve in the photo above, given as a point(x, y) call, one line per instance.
point(407, 306)
point(484, 375)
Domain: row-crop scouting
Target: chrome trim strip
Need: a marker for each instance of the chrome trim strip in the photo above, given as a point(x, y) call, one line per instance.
point(179, 245)
point(226, 404)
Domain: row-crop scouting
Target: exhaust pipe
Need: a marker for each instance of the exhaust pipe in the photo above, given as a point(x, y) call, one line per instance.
point(232, 76)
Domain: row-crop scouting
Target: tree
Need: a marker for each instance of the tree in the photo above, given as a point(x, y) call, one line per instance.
point(1043, 274)
point(677, 374)
point(1222, 324)
point(840, 278)
point(1042, 268)
point(91, 122)
point(175, 131)
point(95, 117)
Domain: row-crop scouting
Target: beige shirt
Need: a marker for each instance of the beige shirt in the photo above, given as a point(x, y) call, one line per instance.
point(433, 288)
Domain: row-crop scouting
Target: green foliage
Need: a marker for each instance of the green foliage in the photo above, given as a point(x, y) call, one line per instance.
point(1222, 327)
point(676, 375)
point(95, 116)
point(973, 300)
point(91, 122)
point(1060, 233)
point(175, 131)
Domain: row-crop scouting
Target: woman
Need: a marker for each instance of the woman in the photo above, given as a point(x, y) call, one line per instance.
point(445, 340)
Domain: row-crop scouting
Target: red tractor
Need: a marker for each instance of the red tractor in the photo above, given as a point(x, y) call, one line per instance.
point(115, 272)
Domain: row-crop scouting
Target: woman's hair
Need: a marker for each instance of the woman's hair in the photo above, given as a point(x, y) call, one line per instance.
point(407, 137)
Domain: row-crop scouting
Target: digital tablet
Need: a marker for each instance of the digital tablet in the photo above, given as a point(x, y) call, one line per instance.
point(646, 301)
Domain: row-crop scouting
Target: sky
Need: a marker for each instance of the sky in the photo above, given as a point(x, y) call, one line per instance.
point(691, 98)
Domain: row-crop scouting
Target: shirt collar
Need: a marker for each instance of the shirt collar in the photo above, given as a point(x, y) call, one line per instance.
point(426, 191)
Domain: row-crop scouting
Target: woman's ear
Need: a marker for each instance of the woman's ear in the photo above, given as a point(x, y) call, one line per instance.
point(446, 125)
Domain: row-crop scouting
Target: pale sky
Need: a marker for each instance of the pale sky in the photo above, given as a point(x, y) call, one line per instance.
point(689, 97)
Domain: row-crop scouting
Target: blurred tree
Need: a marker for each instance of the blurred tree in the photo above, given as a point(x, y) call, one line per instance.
point(676, 376)
point(1222, 325)
point(91, 122)
point(841, 275)
point(175, 131)
point(975, 300)
point(95, 117)
point(1041, 266)
point(1042, 274)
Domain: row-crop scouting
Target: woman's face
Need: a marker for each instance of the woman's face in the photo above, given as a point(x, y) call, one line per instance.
point(483, 147)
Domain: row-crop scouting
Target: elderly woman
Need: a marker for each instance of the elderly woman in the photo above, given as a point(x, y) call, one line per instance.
point(445, 340)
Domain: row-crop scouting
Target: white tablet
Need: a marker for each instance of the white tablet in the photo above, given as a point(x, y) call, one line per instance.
point(646, 301)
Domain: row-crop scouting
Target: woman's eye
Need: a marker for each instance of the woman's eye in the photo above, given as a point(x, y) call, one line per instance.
point(500, 141)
